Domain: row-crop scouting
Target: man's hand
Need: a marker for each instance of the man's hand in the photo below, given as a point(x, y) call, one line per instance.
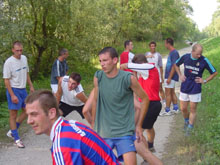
point(199, 80)
point(162, 80)
point(139, 134)
point(168, 81)
point(150, 56)
point(183, 78)
point(124, 66)
point(14, 99)
point(31, 89)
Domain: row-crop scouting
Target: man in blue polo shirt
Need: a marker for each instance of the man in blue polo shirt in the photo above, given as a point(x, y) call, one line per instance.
point(194, 66)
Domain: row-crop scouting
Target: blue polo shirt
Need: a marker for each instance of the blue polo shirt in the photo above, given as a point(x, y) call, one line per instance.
point(193, 68)
point(173, 56)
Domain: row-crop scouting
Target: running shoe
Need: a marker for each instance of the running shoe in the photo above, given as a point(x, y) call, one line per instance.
point(188, 131)
point(186, 125)
point(19, 144)
point(9, 134)
point(175, 111)
point(165, 113)
point(144, 163)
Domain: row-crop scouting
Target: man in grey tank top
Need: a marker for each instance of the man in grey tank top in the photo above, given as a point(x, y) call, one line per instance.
point(112, 108)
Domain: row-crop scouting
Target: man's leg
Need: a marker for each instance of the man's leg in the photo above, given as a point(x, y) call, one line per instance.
point(12, 119)
point(174, 100)
point(143, 151)
point(22, 116)
point(150, 136)
point(162, 94)
point(185, 112)
point(130, 158)
point(192, 115)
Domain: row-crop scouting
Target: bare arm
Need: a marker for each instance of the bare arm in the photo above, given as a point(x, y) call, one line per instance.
point(137, 89)
point(82, 97)
point(171, 74)
point(94, 104)
point(30, 82)
point(87, 109)
point(13, 96)
point(161, 74)
point(59, 91)
point(200, 80)
point(177, 69)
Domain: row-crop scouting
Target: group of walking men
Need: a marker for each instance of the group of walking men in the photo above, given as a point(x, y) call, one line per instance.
point(121, 105)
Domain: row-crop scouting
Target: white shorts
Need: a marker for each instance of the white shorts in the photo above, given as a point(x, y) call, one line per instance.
point(170, 85)
point(195, 98)
point(54, 87)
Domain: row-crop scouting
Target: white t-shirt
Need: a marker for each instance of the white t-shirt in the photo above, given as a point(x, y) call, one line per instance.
point(156, 59)
point(16, 71)
point(130, 57)
point(69, 97)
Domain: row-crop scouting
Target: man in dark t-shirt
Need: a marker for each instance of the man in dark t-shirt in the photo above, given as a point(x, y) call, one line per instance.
point(190, 92)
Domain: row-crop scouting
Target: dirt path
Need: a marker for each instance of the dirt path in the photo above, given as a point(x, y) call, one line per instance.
point(37, 149)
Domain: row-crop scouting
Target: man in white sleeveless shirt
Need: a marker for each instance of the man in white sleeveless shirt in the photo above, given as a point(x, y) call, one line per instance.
point(70, 94)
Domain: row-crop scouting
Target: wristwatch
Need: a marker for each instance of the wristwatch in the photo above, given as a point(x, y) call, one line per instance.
point(204, 81)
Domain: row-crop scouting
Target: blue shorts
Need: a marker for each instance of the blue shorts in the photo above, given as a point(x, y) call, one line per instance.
point(122, 144)
point(21, 95)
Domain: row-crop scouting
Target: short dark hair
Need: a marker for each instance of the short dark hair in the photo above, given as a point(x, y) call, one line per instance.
point(62, 51)
point(46, 99)
point(152, 42)
point(170, 41)
point(126, 43)
point(113, 53)
point(76, 77)
point(139, 59)
point(16, 43)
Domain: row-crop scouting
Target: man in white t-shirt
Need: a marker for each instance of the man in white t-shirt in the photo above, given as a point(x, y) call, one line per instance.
point(16, 75)
point(156, 58)
point(70, 94)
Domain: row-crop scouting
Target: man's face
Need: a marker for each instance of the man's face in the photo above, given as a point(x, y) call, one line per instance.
point(65, 55)
point(72, 84)
point(152, 47)
point(197, 53)
point(17, 51)
point(37, 118)
point(130, 46)
point(107, 62)
point(166, 44)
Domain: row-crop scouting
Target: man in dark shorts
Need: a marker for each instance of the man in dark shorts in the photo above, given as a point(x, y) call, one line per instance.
point(70, 94)
point(150, 82)
point(72, 141)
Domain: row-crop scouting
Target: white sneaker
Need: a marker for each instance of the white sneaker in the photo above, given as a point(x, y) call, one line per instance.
point(175, 111)
point(164, 113)
point(9, 134)
point(19, 144)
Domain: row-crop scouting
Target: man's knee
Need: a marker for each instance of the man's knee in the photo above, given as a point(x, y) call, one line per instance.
point(13, 114)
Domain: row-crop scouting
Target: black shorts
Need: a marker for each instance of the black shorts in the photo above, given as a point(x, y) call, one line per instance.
point(66, 109)
point(152, 114)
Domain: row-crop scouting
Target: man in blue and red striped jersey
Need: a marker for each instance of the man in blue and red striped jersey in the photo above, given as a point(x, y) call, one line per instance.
point(73, 142)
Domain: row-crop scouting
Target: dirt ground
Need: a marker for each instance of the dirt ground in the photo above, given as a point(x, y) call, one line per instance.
point(37, 149)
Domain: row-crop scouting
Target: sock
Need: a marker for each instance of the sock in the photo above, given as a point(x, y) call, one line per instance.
point(15, 134)
point(190, 126)
point(175, 107)
point(167, 109)
point(17, 125)
point(150, 145)
point(186, 120)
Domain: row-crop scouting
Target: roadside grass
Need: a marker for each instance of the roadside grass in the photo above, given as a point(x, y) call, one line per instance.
point(203, 146)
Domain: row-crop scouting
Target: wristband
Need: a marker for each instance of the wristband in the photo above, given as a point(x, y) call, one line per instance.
point(204, 81)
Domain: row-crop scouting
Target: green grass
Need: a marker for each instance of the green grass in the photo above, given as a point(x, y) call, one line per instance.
point(203, 147)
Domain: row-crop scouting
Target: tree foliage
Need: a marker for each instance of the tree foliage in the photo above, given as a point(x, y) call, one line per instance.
point(83, 27)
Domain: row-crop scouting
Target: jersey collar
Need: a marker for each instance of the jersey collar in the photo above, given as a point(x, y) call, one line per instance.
point(192, 57)
point(55, 126)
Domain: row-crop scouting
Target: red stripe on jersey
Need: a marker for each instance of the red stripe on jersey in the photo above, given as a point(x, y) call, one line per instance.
point(88, 142)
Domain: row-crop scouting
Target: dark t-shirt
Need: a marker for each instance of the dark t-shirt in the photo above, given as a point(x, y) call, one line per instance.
point(193, 68)
point(173, 56)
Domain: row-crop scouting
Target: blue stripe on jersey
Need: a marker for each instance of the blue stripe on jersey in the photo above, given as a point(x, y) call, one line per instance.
point(210, 65)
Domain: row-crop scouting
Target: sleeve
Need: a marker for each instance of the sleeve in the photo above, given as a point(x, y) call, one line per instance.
point(6, 70)
point(123, 59)
point(160, 60)
point(180, 60)
point(209, 66)
point(78, 89)
point(174, 57)
point(130, 58)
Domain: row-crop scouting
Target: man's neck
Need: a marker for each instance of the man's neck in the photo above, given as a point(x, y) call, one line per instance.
point(60, 58)
point(171, 48)
point(16, 57)
point(153, 51)
point(127, 50)
point(113, 73)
